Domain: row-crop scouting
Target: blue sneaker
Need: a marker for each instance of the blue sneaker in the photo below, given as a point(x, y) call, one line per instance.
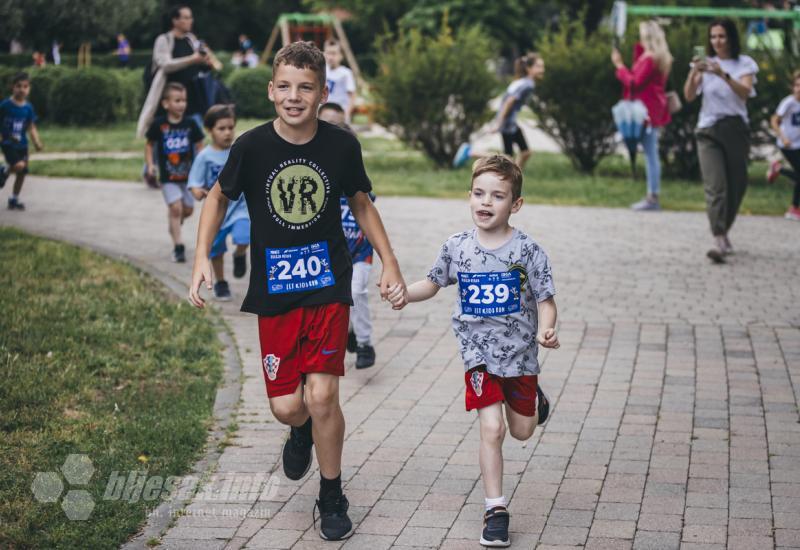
point(462, 155)
point(495, 528)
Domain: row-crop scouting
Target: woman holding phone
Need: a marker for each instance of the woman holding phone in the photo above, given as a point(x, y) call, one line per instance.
point(725, 79)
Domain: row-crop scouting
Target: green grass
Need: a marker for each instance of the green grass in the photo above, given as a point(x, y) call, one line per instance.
point(95, 358)
point(549, 179)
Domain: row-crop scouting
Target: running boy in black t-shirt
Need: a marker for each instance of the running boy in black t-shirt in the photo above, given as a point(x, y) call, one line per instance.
point(292, 171)
point(175, 140)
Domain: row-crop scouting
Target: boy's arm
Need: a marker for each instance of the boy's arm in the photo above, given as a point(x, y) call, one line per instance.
point(35, 136)
point(210, 221)
point(198, 146)
point(422, 290)
point(351, 104)
point(547, 336)
point(504, 110)
point(148, 158)
point(775, 122)
point(369, 220)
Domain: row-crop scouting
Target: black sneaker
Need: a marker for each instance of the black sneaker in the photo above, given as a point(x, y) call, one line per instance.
point(365, 356)
point(495, 527)
point(542, 405)
point(179, 254)
point(14, 204)
point(3, 176)
point(222, 291)
point(335, 524)
point(352, 343)
point(239, 265)
point(297, 451)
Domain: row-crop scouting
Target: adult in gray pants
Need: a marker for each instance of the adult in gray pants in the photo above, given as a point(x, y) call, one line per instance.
point(725, 78)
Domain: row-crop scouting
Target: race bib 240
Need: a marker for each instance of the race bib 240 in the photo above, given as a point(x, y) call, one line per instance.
point(489, 294)
point(299, 268)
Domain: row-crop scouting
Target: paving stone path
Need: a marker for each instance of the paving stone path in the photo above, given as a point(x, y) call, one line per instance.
point(676, 388)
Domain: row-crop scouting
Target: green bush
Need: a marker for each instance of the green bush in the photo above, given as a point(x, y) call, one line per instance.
point(131, 94)
point(42, 81)
point(85, 97)
point(6, 75)
point(433, 91)
point(249, 90)
point(573, 101)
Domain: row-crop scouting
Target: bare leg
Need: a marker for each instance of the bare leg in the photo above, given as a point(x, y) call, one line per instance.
point(290, 409)
point(322, 399)
point(20, 178)
point(241, 250)
point(175, 218)
point(218, 265)
point(522, 158)
point(519, 426)
point(493, 431)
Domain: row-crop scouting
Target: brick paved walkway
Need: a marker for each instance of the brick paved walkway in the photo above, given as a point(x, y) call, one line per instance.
point(676, 423)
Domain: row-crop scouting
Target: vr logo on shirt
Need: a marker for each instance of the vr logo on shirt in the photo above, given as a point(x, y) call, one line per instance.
point(297, 193)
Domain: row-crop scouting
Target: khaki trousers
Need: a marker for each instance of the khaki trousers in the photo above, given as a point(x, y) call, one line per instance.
point(723, 150)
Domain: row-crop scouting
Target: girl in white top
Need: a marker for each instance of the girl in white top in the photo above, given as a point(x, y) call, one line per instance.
point(725, 79)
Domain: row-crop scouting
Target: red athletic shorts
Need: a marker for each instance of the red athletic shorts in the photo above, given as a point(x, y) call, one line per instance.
point(484, 389)
point(303, 340)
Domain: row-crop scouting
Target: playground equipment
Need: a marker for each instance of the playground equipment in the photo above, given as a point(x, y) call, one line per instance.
point(317, 28)
point(771, 39)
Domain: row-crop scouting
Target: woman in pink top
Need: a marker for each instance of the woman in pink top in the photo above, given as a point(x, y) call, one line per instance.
point(646, 81)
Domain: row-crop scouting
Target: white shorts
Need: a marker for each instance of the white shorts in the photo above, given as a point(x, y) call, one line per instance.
point(174, 192)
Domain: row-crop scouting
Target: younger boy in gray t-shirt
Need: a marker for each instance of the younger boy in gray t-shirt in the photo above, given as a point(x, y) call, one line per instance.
point(504, 310)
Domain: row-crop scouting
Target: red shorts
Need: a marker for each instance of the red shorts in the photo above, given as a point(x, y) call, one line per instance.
point(484, 389)
point(303, 340)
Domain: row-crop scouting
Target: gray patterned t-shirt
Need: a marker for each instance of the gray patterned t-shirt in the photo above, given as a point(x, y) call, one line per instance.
point(505, 343)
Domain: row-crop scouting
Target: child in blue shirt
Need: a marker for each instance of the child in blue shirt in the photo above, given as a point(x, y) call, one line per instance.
point(17, 118)
point(220, 121)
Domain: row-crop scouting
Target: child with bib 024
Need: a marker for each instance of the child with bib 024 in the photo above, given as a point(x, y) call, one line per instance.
point(505, 309)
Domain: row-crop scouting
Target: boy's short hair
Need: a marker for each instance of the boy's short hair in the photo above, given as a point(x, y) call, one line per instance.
point(332, 42)
point(216, 113)
point(303, 55)
point(332, 106)
point(502, 166)
point(21, 76)
point(170, 87)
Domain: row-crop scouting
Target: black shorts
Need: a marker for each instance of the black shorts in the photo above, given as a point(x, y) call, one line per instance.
point(510, 139)
point(14, 155)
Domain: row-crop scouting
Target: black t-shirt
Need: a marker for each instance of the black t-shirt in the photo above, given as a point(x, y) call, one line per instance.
point(298, 251)
point(175, 145)
point(183, 48)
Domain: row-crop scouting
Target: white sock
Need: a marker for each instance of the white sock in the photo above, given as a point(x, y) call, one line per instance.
point(14, 197)
point(494, 502)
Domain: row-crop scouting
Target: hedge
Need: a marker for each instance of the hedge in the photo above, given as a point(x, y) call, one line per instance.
point(249, 90)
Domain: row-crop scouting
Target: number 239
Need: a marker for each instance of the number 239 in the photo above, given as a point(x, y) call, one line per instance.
point(488, 294)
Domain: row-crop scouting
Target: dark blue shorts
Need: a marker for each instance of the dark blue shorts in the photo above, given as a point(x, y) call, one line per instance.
point(14, 155)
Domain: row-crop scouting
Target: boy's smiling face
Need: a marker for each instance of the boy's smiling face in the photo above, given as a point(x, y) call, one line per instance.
point(297, 94)
point(491, 202)
point(175, 103)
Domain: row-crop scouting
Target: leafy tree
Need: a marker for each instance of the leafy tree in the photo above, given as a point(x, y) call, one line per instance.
point(433, 90)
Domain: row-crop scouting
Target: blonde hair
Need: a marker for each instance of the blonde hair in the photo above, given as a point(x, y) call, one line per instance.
point(655, 43)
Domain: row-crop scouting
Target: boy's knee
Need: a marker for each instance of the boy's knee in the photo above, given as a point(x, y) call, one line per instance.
point(522, 433)
point(20, 166)
point(187, 211)
point(287, 411)
point(493, 431)
point(176, 209)
point(321, 398)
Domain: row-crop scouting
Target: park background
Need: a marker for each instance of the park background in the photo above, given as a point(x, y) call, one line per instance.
point(433, 68)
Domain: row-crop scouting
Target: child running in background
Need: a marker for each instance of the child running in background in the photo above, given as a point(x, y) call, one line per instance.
point(527, 70)
point(177, 140)
point(504, 308)
point(17, 118)
point(341, 83)
point(220, 121)
point(359, 337)
point(786, 125)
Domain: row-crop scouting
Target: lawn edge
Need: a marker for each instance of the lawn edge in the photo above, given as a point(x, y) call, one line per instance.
point(226, 399)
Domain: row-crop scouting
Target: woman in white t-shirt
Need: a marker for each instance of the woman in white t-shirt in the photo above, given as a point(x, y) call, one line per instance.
point(725, 79)
point(786, 125)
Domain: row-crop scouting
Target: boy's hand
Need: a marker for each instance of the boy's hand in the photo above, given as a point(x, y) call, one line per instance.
point(391, 280)
point(201, 271)
point(398, 296)
point(39, 146)
point(786, 143)
point(548, 339)
point(151, 170)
